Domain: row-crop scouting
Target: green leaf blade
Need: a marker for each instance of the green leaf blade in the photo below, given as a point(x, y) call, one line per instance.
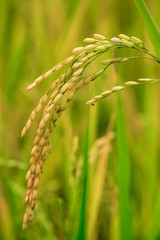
point(150, 24)
point(123, 177)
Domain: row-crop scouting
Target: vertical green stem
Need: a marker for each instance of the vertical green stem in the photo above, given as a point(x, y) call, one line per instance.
point(123, 177)
point(82, 224)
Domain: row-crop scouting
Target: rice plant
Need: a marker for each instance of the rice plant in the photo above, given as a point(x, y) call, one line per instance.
point(62, 92)
point(101, 178)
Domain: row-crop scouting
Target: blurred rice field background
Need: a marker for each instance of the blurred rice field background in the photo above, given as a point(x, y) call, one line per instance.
point(101, 180)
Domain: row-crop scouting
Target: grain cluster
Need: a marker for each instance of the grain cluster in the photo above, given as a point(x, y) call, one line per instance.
point(62, 92)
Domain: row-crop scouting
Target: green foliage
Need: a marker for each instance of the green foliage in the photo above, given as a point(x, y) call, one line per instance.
point(151, 26)
point(123, 176)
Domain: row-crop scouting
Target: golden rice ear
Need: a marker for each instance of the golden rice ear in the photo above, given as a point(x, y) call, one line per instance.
point(61, 93)
point(119, 88)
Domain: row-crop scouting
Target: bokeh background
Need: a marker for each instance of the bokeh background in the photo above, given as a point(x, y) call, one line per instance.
point(34, 36)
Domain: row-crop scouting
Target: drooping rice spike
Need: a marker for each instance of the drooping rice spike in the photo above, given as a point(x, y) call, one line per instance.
point(62, 92)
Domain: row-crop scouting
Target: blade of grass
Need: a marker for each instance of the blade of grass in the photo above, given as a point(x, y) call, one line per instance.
point(154, 34)
point(150, 136)
point(150, 24)
point(82, 224)
point(123, 177)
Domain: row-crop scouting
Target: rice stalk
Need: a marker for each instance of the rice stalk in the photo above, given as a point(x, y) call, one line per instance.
point(62, 92)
